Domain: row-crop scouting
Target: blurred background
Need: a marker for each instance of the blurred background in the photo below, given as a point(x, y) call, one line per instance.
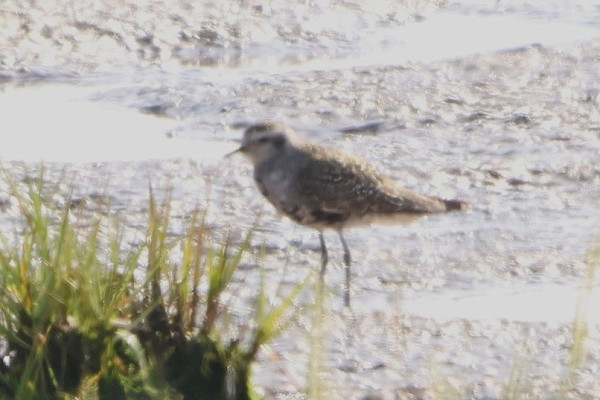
point(495, 103)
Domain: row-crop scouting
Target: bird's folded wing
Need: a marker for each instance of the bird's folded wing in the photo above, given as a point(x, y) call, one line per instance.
point(350, 186)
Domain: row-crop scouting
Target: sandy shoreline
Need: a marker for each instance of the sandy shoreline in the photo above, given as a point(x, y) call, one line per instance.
point(516, 132)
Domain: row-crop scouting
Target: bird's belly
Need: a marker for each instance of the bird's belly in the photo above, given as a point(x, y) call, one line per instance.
point(382, 219)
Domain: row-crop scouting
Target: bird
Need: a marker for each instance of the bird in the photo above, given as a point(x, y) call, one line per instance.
point(325, 189)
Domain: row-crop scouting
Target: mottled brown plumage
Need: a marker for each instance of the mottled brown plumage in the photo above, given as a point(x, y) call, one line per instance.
point(336, 183)
point(323, 188)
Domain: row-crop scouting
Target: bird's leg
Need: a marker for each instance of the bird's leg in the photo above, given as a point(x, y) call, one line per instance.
point(324, 255)
point(324, 259)
point(347, 262)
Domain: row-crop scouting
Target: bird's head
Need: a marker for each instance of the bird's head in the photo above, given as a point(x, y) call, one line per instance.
point(265, 140)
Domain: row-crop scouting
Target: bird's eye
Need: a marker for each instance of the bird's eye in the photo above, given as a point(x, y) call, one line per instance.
point(263, 140)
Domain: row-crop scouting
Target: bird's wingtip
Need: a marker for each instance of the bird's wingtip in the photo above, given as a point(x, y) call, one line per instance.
point(456, 205)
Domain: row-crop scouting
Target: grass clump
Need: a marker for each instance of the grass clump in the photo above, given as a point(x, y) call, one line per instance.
point(78, 321)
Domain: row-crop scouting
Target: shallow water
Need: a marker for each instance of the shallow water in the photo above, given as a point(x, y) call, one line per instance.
point(494, 105)
point(526, 303)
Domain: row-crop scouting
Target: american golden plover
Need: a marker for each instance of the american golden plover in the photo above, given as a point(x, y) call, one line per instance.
point(323, 188)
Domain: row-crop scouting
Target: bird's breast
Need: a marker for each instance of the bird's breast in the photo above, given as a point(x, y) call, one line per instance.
point(277, 187)
point(274, 185)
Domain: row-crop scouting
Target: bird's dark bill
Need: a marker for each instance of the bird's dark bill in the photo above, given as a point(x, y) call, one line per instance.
point(240, 150)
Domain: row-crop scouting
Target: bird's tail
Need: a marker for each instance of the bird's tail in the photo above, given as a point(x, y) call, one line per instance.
point(455, 205)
